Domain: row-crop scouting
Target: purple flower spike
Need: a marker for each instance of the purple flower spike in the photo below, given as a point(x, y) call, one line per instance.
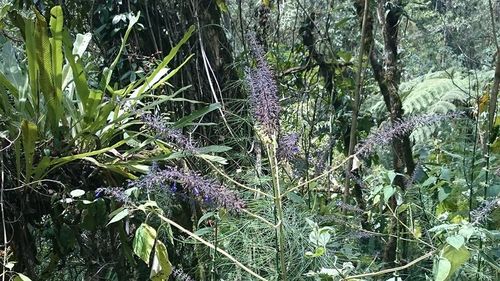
point(399, 128)
point(193, 184)
point(165, 131)
point(288, 146)
point(263, 91)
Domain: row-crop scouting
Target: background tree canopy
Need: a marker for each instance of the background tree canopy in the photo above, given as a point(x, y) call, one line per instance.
point(249, 140)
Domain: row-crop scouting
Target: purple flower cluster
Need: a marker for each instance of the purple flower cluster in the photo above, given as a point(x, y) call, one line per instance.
point(263, 91)
point(166, 132)
point(348, 207)
point(113, 192)
point(399, 128)
point(288, 146)
point(362, 234)
point(193, 185)
point(179, 274)
point(480, 214)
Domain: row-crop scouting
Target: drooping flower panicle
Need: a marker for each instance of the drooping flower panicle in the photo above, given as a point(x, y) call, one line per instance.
point(288, 146)
point(263, 91)
point(397, 129)
point(192, 184)
point(167, 133)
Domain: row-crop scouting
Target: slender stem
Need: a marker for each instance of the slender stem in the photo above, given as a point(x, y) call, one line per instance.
point(235, 182)
point(278, 205)
point(324, 174)
point(4, 229)
point(259, 218)
point(355, 104)
point(211, 246)
point(399, 268)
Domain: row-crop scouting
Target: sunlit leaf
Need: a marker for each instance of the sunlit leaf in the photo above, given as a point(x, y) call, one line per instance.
point(119, 216)
point(144, 241)
point(161, 267)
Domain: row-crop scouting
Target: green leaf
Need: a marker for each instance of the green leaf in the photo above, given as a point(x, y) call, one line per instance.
point(195, 115)
point(204, 231)
point(467, 231)
point(161, 267)
point(78, 73)
point(391, 175)
point(444, 192)
point(119, 216)
point(160, 75)
point(213, 158)
point(46, 79)
point(144, 241)
point(30, 136)
point(429, 181)
point(21, 277)
point(456, 257)
point(56, 27)
point(222, 5)
point(77, 193)
point(205, 217)
point(107, 73)
point(442, 270)
point(388, 192)
point(457, 241)
point(213, 149)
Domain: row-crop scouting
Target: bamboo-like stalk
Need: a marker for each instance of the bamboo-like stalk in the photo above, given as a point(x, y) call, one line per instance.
point(278, 205)
point(356, 102)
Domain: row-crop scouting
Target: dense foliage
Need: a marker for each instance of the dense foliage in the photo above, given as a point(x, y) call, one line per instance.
point(249, 140)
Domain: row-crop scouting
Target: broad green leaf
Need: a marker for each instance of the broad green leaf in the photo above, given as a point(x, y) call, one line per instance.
point(119, 216)
point(205, 217)
point(79, 77)
point(81, 43)
point(456, 257)
point(195, 115)
point(429, 181)
point(4, 11)
point(30, 136)
point(171, 73)
point(31, 55)
point(161, 267)
point(77, 193)
point(467, 231)
point(213, 158)
point(389, 190)
point(56, 27)
point(21, 277)
point(443, 193)
point(391, 175)
point(213, 149)
point(457, 241)
point(144, 241)
point(161, 67)
point(222, 5)
point(46, 79)
point(203, 231)
point(442, 270)
point(4, 82)
point(109, 72)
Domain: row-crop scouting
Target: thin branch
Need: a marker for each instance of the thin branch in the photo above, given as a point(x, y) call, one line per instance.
point(399, 268)
point(211, 246)
point(237, 183)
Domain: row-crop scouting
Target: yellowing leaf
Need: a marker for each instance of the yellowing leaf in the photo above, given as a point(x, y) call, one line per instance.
point(144, 241)
point(161, 267)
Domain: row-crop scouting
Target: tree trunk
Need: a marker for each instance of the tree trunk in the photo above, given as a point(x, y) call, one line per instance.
point(388, 75)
